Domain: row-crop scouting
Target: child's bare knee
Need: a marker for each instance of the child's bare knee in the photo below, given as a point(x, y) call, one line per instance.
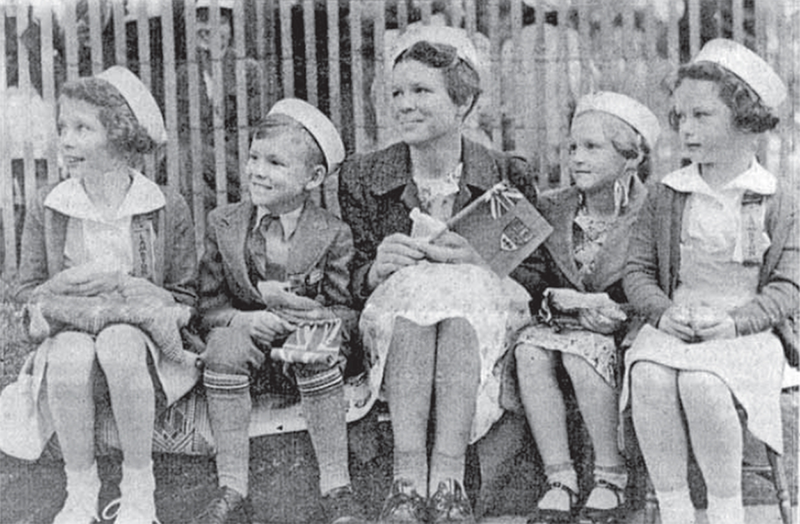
point(70, 357)
point(650, 379)
point(527, 352)
point(700, 384)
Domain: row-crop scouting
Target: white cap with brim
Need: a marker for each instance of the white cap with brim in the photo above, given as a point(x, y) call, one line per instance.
point(316, 123)
point(748, 66)
point(139, 99)
point(630, 111)
point(446, 35)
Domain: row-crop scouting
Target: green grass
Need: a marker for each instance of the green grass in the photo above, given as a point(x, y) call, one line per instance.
point(14, 344)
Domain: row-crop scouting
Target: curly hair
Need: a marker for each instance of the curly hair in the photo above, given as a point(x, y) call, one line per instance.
point(749, 112)
point(125, 134)
point(461, 80)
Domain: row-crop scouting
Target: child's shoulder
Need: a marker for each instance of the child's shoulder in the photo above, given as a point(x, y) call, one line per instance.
point(330, 220)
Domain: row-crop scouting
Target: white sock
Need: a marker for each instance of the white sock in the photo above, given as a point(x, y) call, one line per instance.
point(725, 510)
point(676, 507)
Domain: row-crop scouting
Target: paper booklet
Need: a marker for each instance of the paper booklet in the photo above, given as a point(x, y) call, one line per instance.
point(502, 226)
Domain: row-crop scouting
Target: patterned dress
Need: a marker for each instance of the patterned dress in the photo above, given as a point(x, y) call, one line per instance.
point(428, 293)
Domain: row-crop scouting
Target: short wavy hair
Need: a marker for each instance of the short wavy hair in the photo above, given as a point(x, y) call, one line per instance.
point(628, 142)
point(125, 133)
point(749, 111)
point(275, 124)
point(462, 81)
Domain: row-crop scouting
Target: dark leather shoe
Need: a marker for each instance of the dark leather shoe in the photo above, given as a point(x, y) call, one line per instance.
point(450, 504)
point(228, 507)
point(339, 506)
point(403, 505)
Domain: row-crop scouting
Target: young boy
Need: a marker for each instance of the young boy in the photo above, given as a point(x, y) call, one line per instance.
point(277, 239)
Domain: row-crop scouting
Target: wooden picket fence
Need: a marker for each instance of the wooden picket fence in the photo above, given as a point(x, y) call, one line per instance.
point(538, 57)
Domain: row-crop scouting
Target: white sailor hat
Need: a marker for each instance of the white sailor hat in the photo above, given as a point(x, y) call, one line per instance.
point(436, 34)
point(139, 99)
point(316, 123)
point(630, 111)
point(748, 66)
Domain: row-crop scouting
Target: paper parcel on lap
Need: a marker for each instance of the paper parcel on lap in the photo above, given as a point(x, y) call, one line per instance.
point(502, 226)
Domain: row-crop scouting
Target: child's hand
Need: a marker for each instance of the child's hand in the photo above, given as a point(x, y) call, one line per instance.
point(83, 281)
point(137, 288)
point(604, 320)
point(717, 325)
point(262, 326)
point(676, 321)
point(452, 248)
point(394, 253)
point(298, 317)
point(276, 295)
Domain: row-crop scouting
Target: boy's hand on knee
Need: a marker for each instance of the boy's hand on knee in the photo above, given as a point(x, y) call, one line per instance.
point(262, 326)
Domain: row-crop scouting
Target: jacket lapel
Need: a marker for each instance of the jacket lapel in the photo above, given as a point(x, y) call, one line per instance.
point(309, 241)
point(559, 209)
point(231, 239)
point(480, 173)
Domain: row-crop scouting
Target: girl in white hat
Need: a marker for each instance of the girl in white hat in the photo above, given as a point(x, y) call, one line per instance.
point(713, 270)
point(106, 224)
point(582, 318)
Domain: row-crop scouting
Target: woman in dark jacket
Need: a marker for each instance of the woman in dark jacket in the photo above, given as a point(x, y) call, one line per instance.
point(435, 315)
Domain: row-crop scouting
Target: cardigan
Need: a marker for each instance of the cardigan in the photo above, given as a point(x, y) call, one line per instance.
point(45, 232)
point(377, 193)
point(557, 255)
point(653, 268)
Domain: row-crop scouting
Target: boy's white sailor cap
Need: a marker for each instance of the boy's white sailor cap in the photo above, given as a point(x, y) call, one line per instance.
point(748, 66)
point(630, 111)
point(139, 99)
point(436, 34)
point(316, 123)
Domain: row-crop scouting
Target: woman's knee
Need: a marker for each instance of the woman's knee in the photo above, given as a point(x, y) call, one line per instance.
point(122, 347)
point(651, 380)
point(70, 358)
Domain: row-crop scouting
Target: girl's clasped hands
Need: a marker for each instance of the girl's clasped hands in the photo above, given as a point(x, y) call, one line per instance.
point(697, 323)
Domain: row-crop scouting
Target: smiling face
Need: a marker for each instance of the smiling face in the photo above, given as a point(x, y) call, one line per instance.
point(594, 161)
point(705, 123)
point(421, 105)
point(83, 140)
point(279, 171)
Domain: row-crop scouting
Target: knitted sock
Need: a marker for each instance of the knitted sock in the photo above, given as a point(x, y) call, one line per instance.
point(602, 497)
point(675, 507)
point(323, 403)
point(229, 407)
point(83, 487)
point(725, 510)
point(137, 496)
point(558, 499)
